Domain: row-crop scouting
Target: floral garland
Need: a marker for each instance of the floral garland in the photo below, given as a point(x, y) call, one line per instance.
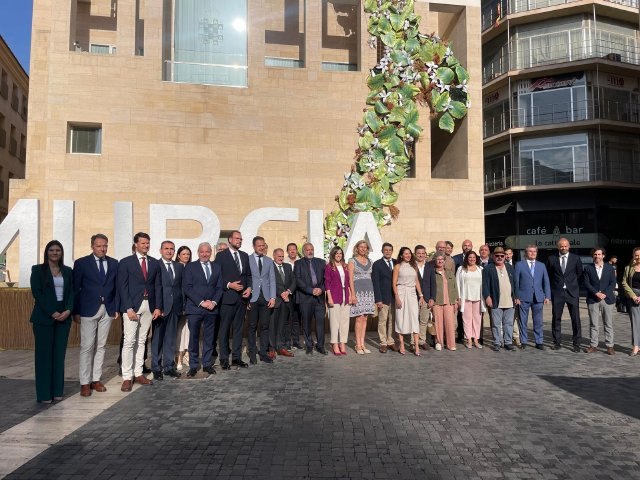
point(415, 69)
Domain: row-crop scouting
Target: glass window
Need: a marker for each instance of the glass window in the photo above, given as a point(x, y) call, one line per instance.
point(552, 160)
point(210, 43)
point(85, 139)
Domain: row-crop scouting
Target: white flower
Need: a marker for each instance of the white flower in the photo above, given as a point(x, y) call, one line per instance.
point(373, 42)
point(363, 129)
point(442, 87)
point(462, 86)
point(387, 218)
point(432, 68)
point(384, 95)
point(447, 53)
point(375, 143)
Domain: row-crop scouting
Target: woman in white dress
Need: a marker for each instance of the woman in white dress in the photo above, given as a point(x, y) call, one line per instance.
point(469, 281)
point(406, 283)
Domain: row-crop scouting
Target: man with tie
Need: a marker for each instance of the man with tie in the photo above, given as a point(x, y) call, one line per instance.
point(236, 285)
point(600, 283)
point(381, 275)
point(309, 273)
point(94, 283)
point(509, 260)
point(140, 292)
point(292, 332)
point(163, 336)
point(484, 255)
point(282, 310)
point(565, 274)
point(263, 299)
point(202, 287)
point(427, 279)
point(532, 291)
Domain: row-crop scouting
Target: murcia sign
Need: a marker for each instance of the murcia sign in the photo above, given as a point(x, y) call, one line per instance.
point(23, 221)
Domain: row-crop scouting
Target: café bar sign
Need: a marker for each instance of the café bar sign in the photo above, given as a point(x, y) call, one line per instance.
point(23, 223)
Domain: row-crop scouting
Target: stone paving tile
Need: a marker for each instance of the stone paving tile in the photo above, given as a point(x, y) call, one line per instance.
point(450, 415)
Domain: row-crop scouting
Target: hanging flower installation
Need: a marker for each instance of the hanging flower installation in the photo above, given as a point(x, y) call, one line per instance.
point(414, 69)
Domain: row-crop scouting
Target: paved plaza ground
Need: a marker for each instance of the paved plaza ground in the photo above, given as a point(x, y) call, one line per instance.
point(459, 415)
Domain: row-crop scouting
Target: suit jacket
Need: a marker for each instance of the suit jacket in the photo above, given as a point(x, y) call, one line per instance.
point(381, 275)
point(458, 259)
point(265, 281)
point(304, 283)
point(289, 283)
point(333, 284)
point(491, 283)
point(44, 293)
point(132, 285)
point(571, 278)
point(605, 284)
point(531, 289)
point(172, 298)
point(428, 282)
point(90, 290)
point(197, 289)
point(231, 274)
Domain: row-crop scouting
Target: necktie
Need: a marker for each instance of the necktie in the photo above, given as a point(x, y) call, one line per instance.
point(237, 259)
point(143, 265)
point(531, 267)
point(390, 264)
point(314, 278)
point(260, 264)
point(170, 269)
point(281, 272)
point(103, 274)
point(207, 271)
point(563, 263)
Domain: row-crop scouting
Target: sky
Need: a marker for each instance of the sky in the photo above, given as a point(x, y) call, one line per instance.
point(15, 28)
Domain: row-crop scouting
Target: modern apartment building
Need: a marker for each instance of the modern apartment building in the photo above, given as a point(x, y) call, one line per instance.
point(232, 106)
point(14, 92)
point(561, 123)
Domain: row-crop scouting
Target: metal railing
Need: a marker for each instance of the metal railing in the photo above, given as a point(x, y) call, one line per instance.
point(566, 112)
point(495, 124)
point(496, 65)
point(205, 73)
point(496, 11)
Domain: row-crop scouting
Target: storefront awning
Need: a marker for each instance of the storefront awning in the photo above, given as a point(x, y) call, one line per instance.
point(499, 210)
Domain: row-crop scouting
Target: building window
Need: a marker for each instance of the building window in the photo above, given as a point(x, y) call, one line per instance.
point(552, 99)
point(24, 107)
point(102, 49)
point(284, 35)
point(4, 85)
point(497, 172)
point(94, 26)
point(340, 25)
point(13, 142)
point(3, 132)
point(15, 100)
point(552, 160)
point(85, 139)
point(208, 42)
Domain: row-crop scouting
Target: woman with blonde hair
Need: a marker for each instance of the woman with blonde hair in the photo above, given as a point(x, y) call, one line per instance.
point(631, 285)
point(337, 282)
point(406, 283)
point(363, 301)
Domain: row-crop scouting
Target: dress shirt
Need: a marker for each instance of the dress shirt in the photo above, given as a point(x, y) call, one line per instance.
point(104, 264)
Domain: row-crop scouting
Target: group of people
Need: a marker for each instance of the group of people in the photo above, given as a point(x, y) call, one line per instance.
point(434, 300)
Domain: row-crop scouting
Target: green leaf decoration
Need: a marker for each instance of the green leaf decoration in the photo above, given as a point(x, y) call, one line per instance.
point(445, 74)
point(392, 114)
point(446, 123)
point(457, 110)
point(373, 121)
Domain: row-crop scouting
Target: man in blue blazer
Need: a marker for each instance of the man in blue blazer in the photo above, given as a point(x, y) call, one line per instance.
point(497, 278)
point(236, 286)
point(381, 273)
point(532, 291)
point(140, 293)
point(309, 273)
point(600, 282)
point(163, 337)
point(565, 275)
point(263, 299)
point(94, 284)
point(202, 286)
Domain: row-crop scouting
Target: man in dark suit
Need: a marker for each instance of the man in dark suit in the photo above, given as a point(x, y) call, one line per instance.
point(565, 274)
point(484, 255)
point(309, 273)
point(236, 285)
point(281, 313)
point(467, 246)
point(263, 299)
point(498, 292)
point(292, 331)
point(510, 260)
point(140, 293)
point(532, 291)
point(427, 279)
point(94, 284)
point(163, 337)
point(381, 275)
point(202, 286)
point(600, 282)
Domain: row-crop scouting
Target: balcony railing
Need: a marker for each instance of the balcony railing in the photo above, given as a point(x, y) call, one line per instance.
point(521, 57)
point(496, 11)
point(558, 113)
point(495, 124)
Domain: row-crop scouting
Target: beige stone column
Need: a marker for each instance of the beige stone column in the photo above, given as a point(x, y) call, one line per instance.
point(126, 34)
